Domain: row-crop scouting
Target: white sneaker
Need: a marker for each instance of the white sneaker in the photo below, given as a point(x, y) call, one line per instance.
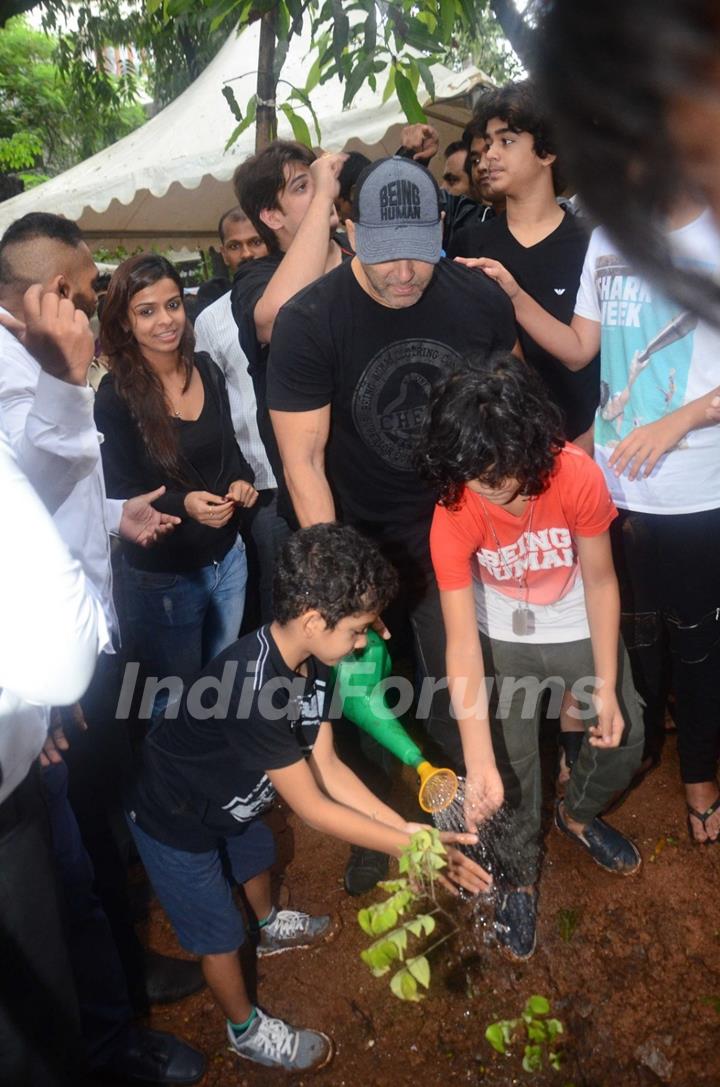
point(275, 1044)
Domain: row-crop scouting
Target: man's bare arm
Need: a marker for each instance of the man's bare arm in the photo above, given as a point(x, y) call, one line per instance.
point(302, 437)
point(307, 257)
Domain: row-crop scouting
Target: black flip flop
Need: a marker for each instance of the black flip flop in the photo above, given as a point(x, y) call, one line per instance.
point(702, 818)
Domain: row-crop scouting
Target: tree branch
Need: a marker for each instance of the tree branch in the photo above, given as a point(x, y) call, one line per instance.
point(516, 30)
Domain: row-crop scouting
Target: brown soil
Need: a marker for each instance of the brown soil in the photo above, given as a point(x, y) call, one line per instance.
point(636, 984)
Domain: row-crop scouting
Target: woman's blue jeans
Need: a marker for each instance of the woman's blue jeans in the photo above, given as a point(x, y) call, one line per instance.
point(179, 622)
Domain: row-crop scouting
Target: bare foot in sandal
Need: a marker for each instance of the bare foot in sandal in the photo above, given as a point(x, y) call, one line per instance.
point(703, 804)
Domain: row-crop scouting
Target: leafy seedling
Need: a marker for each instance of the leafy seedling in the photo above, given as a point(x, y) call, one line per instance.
point(534, 1030)
point(404, 915)
point(568, 921)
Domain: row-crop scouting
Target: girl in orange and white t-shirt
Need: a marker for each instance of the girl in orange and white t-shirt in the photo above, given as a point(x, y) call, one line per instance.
point(529, 596)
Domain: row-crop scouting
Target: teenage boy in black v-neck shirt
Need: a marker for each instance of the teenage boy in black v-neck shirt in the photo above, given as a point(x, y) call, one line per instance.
point(539, 242)
point(254, 723)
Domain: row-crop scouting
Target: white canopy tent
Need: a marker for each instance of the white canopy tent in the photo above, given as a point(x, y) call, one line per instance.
point(169, 181)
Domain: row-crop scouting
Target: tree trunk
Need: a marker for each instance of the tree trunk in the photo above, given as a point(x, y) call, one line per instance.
point(266, 123)
point(516, 30)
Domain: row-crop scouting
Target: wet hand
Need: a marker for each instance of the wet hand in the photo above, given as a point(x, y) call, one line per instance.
point(461, 870)
point(242, 494)
point(209, 509)
point(484, 795)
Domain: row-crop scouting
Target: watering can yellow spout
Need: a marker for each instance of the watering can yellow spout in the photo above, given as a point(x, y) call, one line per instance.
point(363, 703)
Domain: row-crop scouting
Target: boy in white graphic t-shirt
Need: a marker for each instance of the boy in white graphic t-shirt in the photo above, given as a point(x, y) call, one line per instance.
point(659, 448)
point(521, 551)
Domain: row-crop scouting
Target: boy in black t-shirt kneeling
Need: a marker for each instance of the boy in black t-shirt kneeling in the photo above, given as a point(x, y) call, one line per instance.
point(255, 722)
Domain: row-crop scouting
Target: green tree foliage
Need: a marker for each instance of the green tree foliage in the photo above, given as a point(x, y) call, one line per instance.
point(388, 45)
point(172, 54)
point(485, 45)
point(45, 124)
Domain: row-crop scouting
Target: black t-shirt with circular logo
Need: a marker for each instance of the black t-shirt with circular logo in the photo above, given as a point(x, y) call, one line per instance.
point(376, 366)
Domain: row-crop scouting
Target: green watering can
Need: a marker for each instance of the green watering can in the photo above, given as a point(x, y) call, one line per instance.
point(358, 677)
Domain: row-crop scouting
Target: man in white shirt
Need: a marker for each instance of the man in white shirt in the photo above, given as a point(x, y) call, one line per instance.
point(217, 334)
point(47, 292)
point(50, 628)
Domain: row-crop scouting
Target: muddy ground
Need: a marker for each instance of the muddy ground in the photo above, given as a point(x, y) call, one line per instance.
point(630, 966)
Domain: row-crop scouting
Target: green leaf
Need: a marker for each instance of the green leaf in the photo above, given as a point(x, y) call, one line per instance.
point(340, 34)
point(380, 956)
point(387, 93)
point(301, 132)
point(555, 1059)
point(536, 1031)
point(496, 1037)
point(428, 923)
point(408, 99)
point(229, 96)
point(421, 839)
point(404, 863)
point(357, 77)
point(313, 75)
point(399, 939)
point(305, 99)
point(419, 967)
point(393, 885)
point(245, 123)
point(404, 986)
point(532, 1059)
point(365, 921)
point(370, 32)
point(383, 921)
point(447, 18)
point(554, 1028)
point(537, 1005)
point(427, 78)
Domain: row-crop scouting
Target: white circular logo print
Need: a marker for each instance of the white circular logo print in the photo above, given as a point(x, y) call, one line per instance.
point(391, 398)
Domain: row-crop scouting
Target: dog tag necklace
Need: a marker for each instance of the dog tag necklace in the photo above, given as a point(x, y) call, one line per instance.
point(523, 617)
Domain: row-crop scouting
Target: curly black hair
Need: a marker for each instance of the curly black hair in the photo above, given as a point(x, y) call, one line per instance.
point(333, 569)
point(491, 421)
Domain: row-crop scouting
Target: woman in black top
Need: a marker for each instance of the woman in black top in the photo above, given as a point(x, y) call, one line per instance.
point(165, 420)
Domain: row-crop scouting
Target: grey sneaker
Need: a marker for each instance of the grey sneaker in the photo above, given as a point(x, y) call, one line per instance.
point(290, 929)
point(275, 1044)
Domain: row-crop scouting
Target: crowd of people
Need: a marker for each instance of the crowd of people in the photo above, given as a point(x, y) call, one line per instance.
point(457, 415)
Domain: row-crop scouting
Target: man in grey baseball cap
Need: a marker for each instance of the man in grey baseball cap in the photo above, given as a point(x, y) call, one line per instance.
point(353, 360)
point(397, 212)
